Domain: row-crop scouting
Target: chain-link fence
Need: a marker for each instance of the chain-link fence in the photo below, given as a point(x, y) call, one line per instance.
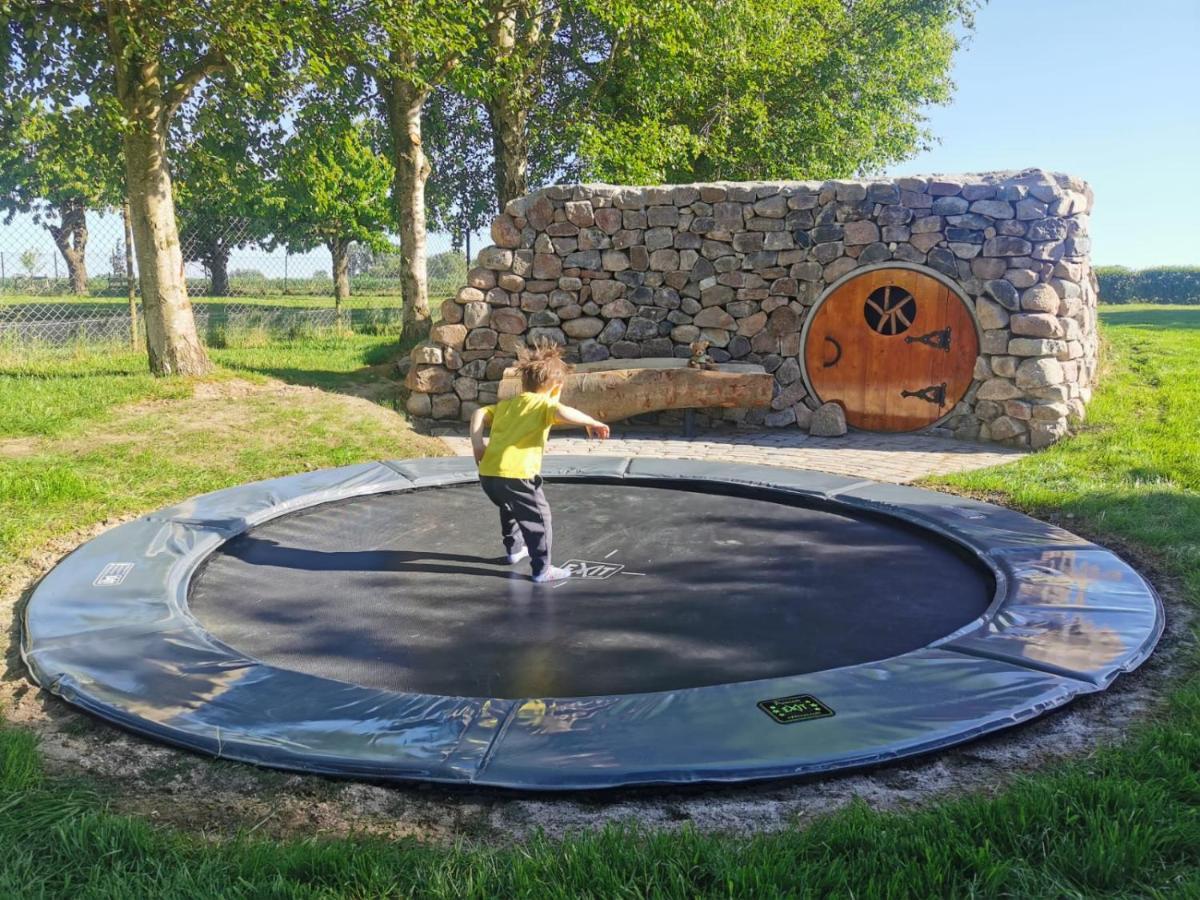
point(59, 291)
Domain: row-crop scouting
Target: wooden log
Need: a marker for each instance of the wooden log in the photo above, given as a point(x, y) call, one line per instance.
point(617, 389)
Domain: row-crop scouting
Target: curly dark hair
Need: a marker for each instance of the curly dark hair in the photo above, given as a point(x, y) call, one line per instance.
point(542, 366)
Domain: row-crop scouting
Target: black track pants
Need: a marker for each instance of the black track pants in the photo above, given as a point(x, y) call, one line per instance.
point(524, 515)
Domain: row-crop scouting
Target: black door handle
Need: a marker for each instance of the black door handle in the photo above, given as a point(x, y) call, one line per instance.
point(836, 346)
point(934, 393)
point(939, 340)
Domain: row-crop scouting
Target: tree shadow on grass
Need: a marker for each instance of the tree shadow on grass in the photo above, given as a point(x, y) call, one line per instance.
point(377, 379)
point(380, 348)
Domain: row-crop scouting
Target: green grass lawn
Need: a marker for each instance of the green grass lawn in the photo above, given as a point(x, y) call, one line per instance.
point(117, 303)
point(1123, 822)
point(90, 434)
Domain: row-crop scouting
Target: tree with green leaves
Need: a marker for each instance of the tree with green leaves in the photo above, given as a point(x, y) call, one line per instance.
point(149, 56)
point(404, 49)
point(220, 152)
point(770, 89)
point(460, 196)
point(31, 260)
point(520, 39)
point(55, 165)
point(332, 185)
point(685, 90)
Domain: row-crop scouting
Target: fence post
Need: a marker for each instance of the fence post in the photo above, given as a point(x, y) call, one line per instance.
point(285, 259)
point(2, 275)
point(133, 316)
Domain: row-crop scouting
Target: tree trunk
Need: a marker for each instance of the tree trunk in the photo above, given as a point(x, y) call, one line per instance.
point(339, 249)
point(172, 344)
point(521, 35)
point(510, 147)
point(70, 237)
point(131, 290)
point(615, 390)
point(404, 104)
point(171, 340)
point(216, 260)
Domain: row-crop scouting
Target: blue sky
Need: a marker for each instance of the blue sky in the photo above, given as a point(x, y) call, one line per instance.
point(1104, 89)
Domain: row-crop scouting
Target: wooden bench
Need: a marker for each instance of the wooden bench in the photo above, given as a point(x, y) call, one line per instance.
point(618, 389)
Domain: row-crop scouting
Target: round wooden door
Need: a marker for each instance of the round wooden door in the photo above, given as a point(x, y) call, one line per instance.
point(895, 347)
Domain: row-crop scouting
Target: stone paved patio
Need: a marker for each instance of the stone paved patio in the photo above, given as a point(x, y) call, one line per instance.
point(891, 457)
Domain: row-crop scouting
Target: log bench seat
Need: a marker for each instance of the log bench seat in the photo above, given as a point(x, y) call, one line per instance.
point(618, 389)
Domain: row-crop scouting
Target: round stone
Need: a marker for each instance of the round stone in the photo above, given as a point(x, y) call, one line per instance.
point(1003, 292)
point(615, 260)
point(998, 389)
point(1006, 427)
point(554, 335)
point(445, 406)
point(429, 379)
point(481, 339)
point(640, 328)
point(508, 320)
point(476, 314)
point(1039, 373)
point(592, 351)
point(547, 265)
point(580, 213)
point(607, 290)
point(1039, 325)
point(715, 317)
point(828, 420)
point(481, 278)
point(583, 327)
point(418, 404)
point(618, 309)
point(991, 315)
point(449, 335)
point(1040, 298)
point(495, 258)
point(505, 232)
point(426, 354)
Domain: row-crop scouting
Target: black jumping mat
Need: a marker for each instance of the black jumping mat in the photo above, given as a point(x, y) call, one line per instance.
point(673, 588)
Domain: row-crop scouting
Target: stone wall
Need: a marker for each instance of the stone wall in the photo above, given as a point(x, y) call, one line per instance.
point(627, 272)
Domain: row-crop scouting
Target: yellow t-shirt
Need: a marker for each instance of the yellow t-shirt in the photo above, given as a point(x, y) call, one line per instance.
point(520, 427)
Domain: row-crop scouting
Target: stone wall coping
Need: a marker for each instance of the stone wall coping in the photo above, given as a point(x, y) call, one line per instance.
point(1058, 183)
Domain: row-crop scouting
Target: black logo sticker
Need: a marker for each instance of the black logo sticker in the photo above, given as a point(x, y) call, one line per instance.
point(799, 708)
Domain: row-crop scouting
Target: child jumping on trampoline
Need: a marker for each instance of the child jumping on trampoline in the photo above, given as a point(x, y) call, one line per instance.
point(510, 464)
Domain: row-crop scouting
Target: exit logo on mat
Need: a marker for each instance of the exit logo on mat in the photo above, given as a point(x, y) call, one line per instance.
point(583, 568)
point(798, 708)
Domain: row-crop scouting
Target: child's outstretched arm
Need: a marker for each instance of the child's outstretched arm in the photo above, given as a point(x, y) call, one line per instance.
point(478, 444)
point(568, 415)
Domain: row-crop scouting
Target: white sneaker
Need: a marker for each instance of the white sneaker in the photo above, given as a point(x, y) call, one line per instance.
point(551, 573)
point(516, 556)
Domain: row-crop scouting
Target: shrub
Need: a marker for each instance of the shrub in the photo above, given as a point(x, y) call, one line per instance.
point(1161, 284)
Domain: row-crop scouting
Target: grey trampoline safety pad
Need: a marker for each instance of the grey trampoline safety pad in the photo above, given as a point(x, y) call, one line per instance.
point(110, 630)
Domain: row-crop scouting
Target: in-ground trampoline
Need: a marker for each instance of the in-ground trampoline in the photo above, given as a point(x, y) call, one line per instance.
point(724, 623)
